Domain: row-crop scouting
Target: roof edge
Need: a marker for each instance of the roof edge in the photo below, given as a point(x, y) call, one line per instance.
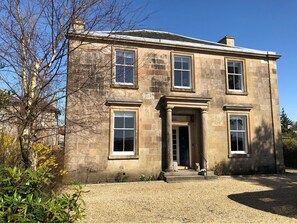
point(105, 36)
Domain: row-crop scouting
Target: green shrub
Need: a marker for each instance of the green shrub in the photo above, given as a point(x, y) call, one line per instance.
point(25, 196)
point(290, 152)
point(146, 178)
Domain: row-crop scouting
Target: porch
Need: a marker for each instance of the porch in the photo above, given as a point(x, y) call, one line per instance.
point(185, 128)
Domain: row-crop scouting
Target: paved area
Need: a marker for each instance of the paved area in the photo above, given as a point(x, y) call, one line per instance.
point(228, 199)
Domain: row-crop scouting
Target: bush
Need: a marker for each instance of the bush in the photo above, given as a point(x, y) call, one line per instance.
point(290, 152)
point(48, 157)
point(10, 154)
point(146, 178)
point(25, 196)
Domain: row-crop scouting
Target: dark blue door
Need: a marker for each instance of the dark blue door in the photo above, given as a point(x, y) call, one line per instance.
point(184, 145)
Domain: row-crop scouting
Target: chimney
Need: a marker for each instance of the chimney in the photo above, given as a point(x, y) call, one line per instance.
point(78, 25)
point(228, 40)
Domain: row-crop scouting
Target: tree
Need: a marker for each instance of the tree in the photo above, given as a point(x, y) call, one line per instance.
point(33, 54)
point(286, 122)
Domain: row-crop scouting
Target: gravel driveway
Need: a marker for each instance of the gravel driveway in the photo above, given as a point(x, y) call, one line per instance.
point(227, 199)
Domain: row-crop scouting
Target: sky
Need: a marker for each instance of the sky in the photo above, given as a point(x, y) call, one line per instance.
point(269, 25)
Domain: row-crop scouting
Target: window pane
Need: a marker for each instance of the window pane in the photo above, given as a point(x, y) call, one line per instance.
point(177, 63)
point(186, 63)
point(120, 74)
point(177, 78)
point(118, 140)
point(119, 114)
point(238, 68)
point(120, 57)
point(129, 122)
point(241, 141)
point(129, 73)
point(233, 123)
point(186, 79)
point(230, 67)
point(233, 141)
point(231, 82)
point(119, 122)
point(129, 140)
point(129, 58)
point(237, 82)
point(241, 123)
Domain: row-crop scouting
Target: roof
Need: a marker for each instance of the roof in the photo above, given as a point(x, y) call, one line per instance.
point(164, 35)
point(169, 39)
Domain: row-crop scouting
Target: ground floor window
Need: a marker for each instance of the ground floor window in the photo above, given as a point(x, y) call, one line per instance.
point(238, 134)
point(124, 133)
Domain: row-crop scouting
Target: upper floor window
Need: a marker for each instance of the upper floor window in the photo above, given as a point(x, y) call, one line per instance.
point(238, 134)
point(125, 67)
point(182, 72)
point(235, 76)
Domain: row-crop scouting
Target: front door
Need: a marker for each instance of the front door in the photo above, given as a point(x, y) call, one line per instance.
point(180, 145)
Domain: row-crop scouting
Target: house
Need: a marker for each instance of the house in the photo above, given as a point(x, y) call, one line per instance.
point(141, 102)
point(46, 125)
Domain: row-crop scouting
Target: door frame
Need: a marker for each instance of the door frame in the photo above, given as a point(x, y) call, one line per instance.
point(176, 126)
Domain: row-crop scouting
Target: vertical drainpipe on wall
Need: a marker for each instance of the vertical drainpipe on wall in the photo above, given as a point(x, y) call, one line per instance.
point(272, 116)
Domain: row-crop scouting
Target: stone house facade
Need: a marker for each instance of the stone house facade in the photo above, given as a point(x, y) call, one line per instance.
point(142, 102)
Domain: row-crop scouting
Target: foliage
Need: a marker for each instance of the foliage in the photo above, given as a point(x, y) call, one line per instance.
point(146, 178)
point(48, 157)
point(25, 196)
point(286, 122)
point(290, 152)
point(4, 101)
point(9, 150)
point(221, 169)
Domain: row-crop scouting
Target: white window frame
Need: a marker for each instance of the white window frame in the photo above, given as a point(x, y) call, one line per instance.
point(246, 149)
point(190, 70)
point(125, 114)
point(241, 75)
point(125, 65)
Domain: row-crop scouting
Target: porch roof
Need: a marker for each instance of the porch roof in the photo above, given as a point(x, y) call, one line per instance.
point(186, 102)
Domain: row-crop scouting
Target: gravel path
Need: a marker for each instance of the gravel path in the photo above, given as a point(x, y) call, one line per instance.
point(228, 199)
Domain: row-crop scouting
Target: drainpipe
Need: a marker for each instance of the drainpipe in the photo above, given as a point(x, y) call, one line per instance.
point(272, 116)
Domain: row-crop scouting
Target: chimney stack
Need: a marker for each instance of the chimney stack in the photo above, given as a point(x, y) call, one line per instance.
point(78, 25)
point(228, 40)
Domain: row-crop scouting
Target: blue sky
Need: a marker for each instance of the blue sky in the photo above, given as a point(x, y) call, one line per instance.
point(257, 24)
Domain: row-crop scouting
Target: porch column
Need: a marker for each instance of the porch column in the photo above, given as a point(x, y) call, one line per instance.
point(204, 139)
point(169, 138)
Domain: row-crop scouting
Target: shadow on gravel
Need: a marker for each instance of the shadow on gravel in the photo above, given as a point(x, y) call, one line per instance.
point(281, 199)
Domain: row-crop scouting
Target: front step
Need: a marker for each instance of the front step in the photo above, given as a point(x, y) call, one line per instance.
point(186, 175)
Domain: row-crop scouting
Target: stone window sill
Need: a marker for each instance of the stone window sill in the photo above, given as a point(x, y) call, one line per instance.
point(123, 157)
point(237, 93)
point(239, 156)
point(125, 86)
point(183, 90)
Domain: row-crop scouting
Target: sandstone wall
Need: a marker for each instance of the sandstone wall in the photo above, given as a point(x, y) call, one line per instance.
point(88, 115)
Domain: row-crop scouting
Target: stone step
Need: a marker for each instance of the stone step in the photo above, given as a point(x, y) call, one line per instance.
point(182, 176)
